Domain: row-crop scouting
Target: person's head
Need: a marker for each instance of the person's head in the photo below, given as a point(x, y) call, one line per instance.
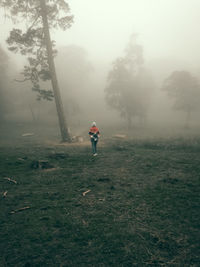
point(94, 124)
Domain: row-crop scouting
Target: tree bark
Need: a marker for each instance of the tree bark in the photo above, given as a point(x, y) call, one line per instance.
point(59, 106)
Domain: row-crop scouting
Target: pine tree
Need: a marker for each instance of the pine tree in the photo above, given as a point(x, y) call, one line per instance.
point(35, 43)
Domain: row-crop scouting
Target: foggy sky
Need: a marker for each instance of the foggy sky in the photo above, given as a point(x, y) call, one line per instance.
point(166, 28)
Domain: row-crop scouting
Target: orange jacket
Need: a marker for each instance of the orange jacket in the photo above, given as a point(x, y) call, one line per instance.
point(94, 130)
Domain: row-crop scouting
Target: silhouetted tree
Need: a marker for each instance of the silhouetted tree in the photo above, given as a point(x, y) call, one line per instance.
point(36, 44)
point(3, 86)
point(129, 84)
point(184, 89)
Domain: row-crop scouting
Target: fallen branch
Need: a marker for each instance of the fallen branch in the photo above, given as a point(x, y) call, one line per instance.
point(50, 169)
point(84, 222)
point(18, 210)
point(5, 193)
point(120, 136)
point(11, 180)
point(84, 193)
point(21, 159)
point(27, 134)
point(21, 81)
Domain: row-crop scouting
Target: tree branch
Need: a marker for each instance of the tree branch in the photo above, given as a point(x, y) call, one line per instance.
point(31, 26)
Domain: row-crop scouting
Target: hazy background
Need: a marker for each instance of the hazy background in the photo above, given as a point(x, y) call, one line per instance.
point(168, 30)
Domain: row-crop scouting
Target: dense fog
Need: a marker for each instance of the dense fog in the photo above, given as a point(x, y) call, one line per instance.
point(130, 65)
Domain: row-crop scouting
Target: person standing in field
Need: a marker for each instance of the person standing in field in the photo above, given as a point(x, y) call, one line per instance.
point(94, 137)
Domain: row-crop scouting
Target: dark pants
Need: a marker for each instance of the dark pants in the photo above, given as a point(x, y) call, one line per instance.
point(94, 145)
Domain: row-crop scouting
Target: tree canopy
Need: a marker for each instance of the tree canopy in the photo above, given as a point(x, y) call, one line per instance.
point(184, 89)
point(129, 83)
point(31, 41)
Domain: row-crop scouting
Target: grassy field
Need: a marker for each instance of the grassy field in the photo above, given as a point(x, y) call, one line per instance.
point(141, 206)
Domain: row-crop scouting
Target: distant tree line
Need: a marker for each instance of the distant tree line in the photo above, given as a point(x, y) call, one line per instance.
point(3, 83)
point(130, 87)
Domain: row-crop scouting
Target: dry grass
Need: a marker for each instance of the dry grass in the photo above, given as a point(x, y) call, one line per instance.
point(142, 208)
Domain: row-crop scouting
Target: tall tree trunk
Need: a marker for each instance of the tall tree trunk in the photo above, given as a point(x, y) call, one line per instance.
point(59, 106)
